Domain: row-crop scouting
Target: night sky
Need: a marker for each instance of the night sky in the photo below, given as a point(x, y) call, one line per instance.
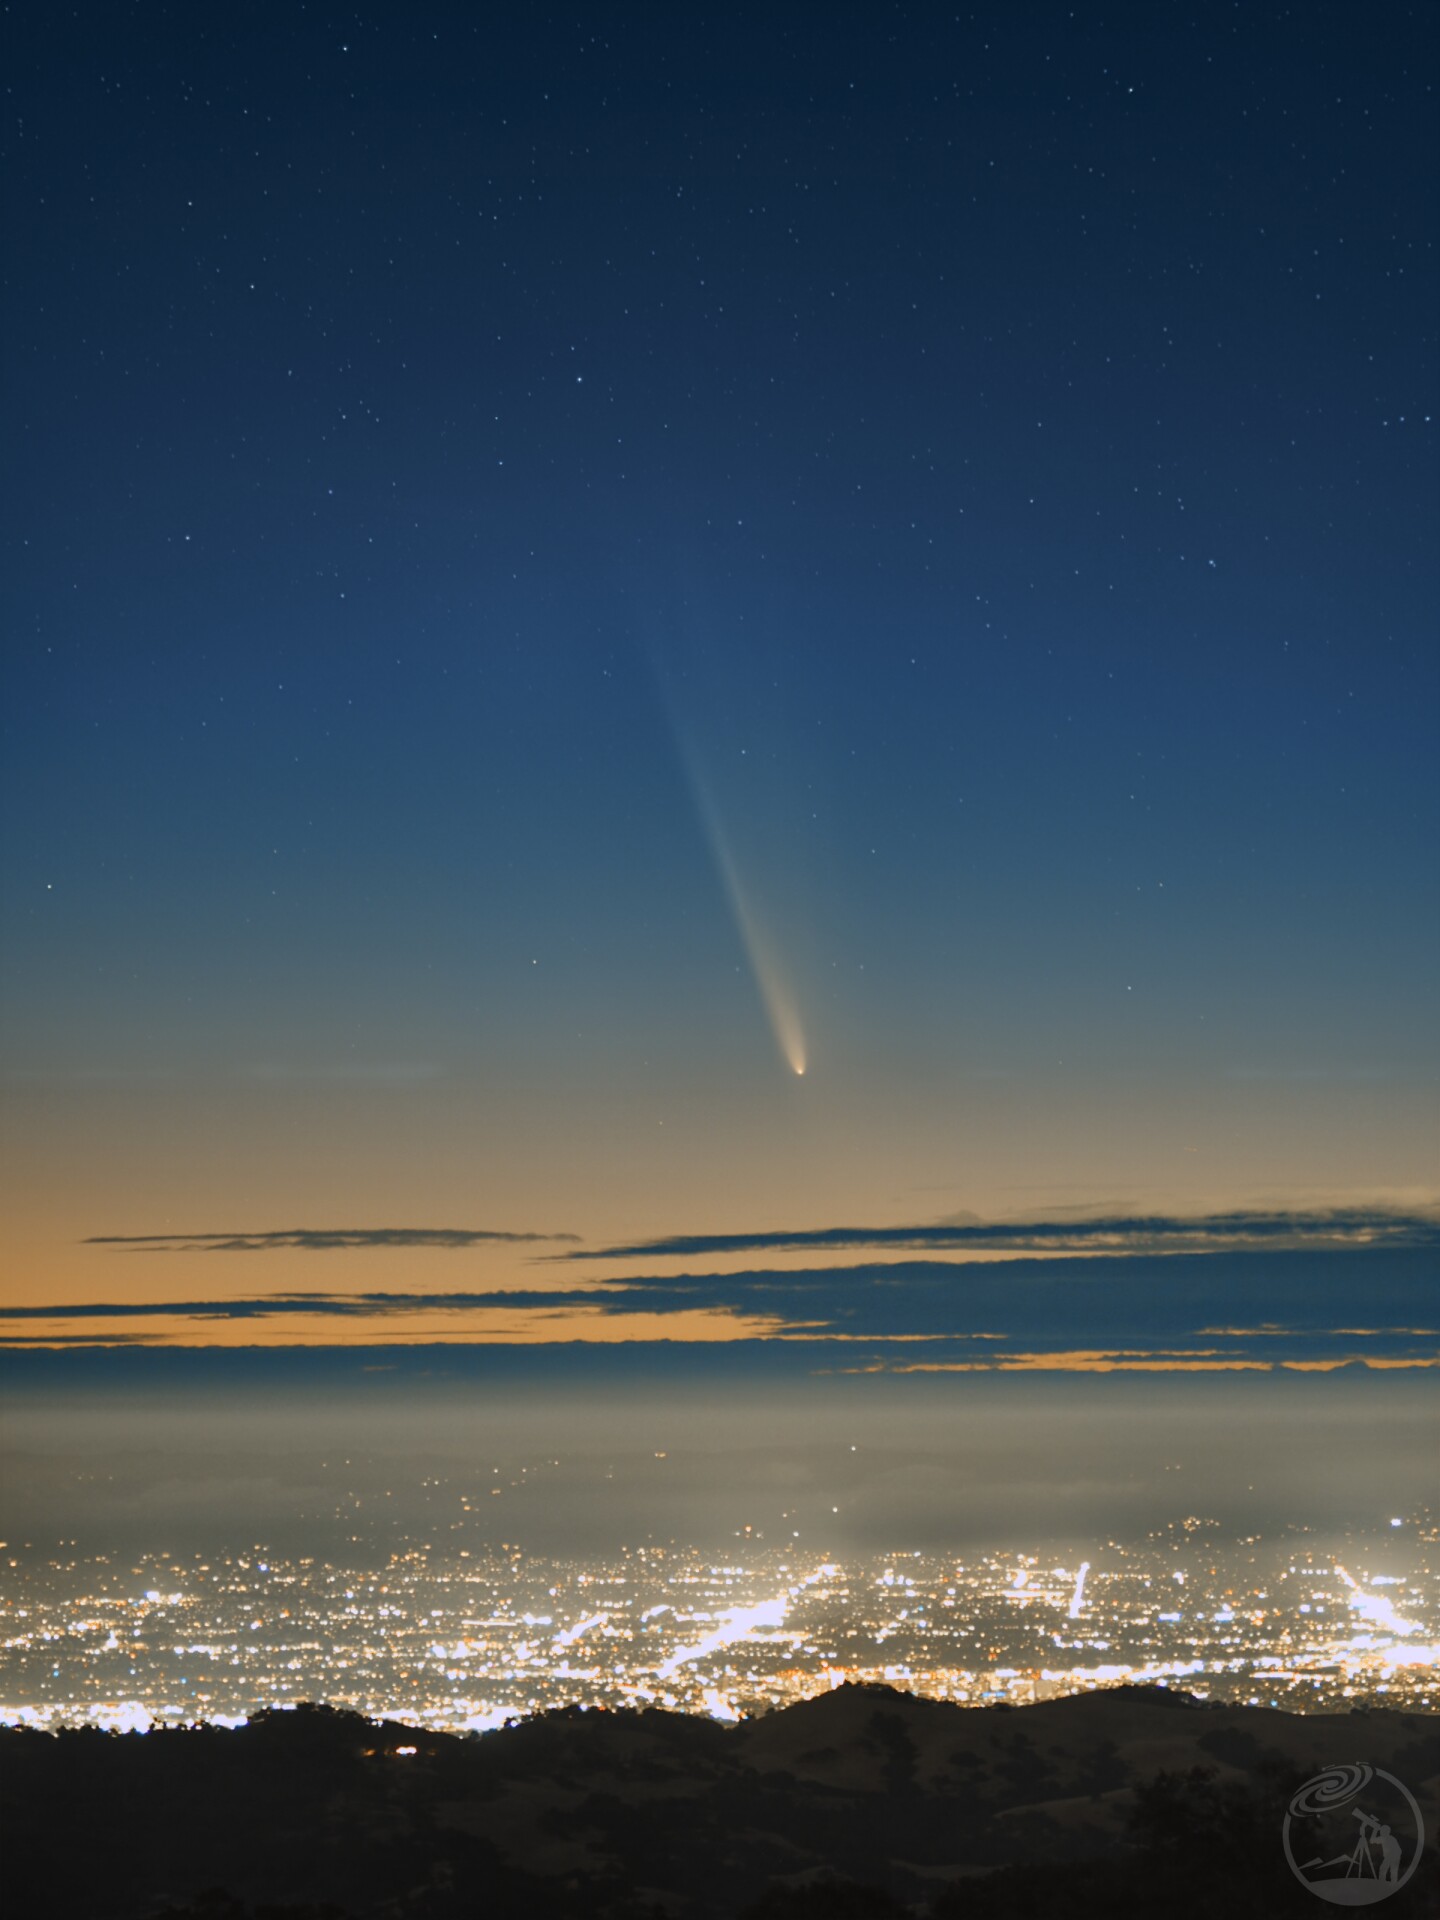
point(799, 644)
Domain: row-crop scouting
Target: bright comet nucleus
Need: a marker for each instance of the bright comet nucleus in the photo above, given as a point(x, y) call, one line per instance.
point(775, 991)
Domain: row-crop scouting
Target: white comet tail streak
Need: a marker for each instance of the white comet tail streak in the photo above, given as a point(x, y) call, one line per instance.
point(775, 992)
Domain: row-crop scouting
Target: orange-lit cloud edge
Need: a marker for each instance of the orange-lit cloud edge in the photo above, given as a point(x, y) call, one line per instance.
point(568, 1324)
point(606, 1307)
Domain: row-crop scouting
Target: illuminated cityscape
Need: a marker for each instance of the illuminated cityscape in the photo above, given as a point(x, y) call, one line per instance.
point(465, 1639)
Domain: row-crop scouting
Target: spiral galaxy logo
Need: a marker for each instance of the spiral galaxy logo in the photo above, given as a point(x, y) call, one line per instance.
point(1353, 1835)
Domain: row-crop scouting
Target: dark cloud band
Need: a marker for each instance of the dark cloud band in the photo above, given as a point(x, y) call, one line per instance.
point(1198, 1304)
point(1329, 1227)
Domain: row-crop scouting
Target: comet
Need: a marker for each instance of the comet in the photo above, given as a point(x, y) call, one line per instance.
point(775, 990)
point(776, 993)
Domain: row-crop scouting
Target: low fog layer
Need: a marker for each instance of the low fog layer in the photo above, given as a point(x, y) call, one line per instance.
point(871, 1465)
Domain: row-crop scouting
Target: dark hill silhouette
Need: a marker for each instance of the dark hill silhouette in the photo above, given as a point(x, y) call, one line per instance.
point(863, 1802)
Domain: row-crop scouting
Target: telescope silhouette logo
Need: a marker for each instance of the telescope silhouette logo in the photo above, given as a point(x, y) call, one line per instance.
point(1353, 1835)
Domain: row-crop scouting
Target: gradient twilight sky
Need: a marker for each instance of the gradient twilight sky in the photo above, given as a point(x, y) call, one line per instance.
point(558, 568)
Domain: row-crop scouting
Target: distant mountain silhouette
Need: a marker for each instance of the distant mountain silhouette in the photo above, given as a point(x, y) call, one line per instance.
point(863, 1802)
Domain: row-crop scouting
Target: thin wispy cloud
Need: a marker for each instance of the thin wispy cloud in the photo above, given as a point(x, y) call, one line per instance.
point(73, 1340)
point(264, 1306)
point(1134, 1234)
point(360, 1073)
point(318, 1239)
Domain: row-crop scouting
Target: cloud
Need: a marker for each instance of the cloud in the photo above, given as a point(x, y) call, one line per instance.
point(316, 1239)
point(1323, 1305)
point(31, 1340)
point(262, 1306)
point(1135, 1234)
point(378, 1073)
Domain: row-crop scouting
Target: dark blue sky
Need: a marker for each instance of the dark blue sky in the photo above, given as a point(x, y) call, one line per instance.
point(543, 554)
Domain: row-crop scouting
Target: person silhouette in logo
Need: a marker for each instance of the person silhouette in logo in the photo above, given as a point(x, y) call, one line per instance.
point(1389, 1853)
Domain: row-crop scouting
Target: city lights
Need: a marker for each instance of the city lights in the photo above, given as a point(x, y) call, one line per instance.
point(445, 1641)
